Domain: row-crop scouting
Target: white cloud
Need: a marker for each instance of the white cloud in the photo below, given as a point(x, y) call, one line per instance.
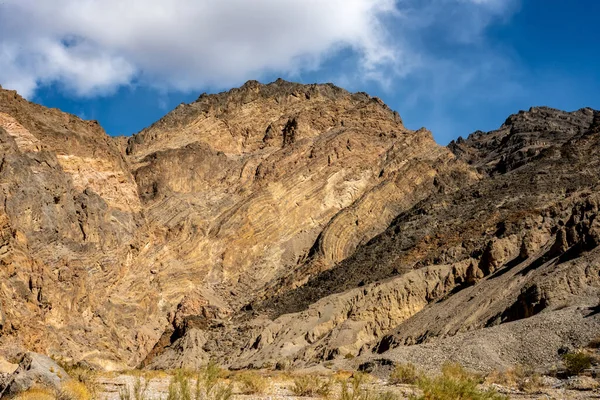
point(92, 47)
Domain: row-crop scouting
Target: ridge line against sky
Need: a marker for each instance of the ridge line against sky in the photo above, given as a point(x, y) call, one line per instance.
point(453, 66)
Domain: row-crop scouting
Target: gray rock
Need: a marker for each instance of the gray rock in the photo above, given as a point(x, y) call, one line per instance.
point(583, 383)
point(34, 370)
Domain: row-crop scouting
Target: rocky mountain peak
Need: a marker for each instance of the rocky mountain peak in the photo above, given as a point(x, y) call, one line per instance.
point(239, 119)
point(523, 136)
point(291, 223)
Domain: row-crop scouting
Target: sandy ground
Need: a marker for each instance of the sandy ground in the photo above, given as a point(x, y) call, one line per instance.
point(280, 388)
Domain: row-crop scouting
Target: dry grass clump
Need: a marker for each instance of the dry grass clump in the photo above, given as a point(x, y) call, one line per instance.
point(520, 377)
point(73, 390)
point(404, 374)
point(311, 386)
point(86, 376)
point(36, 394)
point(139, 390)
point(206, 387)
point(577, 362)
point(353, 388)
point(455, 383)
point(252, 383)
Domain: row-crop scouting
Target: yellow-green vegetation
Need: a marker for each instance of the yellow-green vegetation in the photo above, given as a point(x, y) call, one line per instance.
point(149, 374)
point(404, 374)
point(352, 388)
point(180, 387)
point(84, 375)
point(36, 394)
point(73, 390)
point(207, 385)
point(251, 382)
point(139, 390)
point(455, 383)
point(577, 362)
point(311, 386)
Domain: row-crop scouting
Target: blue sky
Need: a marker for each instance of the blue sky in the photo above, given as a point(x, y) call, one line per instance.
point(453, 66)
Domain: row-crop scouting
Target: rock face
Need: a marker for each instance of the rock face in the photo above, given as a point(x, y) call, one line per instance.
point(33, 370)
point(289, 224)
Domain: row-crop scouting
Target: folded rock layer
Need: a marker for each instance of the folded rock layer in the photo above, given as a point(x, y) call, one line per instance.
point(286, 223)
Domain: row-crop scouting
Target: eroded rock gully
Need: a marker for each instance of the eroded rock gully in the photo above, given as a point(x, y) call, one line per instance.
point(287, 224)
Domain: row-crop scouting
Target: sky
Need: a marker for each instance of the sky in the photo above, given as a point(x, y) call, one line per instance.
point(452, 66)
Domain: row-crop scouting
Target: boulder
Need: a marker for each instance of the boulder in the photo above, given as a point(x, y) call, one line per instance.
point(7, 367)
point(583, 383)
point(34, 370)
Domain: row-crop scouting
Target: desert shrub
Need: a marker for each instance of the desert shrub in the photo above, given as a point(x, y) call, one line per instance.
point(208, 385)
point(311, 385)
point(36, 394)
point(252, 383)
point(594, 343)
point(349, 356)
point(139, 390)
point(404, 374)
point(455, 383)
point(73, 390)
point(352, 388)
point(282, 365)
point(531, 384)
point(519, 376)
point(577, 362)
point(86, 376)
point(180, 387)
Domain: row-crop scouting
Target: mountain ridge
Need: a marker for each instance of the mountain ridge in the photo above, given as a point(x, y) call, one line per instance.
point(213, 231)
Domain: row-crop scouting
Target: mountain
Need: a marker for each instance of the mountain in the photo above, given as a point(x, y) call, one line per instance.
point(289, 224)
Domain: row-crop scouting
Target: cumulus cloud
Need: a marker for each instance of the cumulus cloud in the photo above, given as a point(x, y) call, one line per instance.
point(92, 47)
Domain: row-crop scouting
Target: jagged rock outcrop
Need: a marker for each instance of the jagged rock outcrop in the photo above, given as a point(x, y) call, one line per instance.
point(222, 202)
point(289, 224)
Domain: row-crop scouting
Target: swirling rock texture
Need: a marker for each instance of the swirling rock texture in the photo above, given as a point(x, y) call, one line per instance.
point(289, 224)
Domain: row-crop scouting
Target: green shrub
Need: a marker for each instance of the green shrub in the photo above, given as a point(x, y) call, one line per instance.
point(139, 390)
point(311, 385)
point(455, 383)
point(576, 363)
point(208, 386)
point(404, 374)
point(352, 389)
point(252, 383)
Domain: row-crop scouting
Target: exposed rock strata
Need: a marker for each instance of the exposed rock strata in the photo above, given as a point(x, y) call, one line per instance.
point(288, 224)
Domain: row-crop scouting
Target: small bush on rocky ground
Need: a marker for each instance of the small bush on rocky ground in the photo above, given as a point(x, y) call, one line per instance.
point(520, 377)
point(140, 389)
point(455, 383)
point(311, 386)
point(353, 388)
point(36, 394)
point(73, 390)
point(577, 362)
point(252, 383)
point(209, 386)
point(86, 376)
point(404, 374)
